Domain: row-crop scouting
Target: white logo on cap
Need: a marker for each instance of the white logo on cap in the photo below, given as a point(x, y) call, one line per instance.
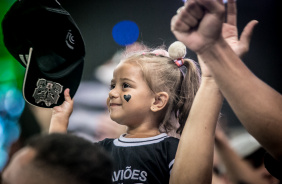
point(47, 92)
point(24, 59)
point(70, 40)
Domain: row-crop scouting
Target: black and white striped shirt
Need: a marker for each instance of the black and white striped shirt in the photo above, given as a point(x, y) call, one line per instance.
point(142, 160)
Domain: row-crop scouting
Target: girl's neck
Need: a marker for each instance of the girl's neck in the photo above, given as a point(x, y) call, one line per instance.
point(143, 130)
point(141, 134)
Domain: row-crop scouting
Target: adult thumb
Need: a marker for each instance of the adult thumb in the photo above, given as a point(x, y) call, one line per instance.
point(247, 33)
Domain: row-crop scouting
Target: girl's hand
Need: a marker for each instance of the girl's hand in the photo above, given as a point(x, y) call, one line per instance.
point(61, 114)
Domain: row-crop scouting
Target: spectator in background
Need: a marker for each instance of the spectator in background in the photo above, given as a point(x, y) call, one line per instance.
point(242, 159)
point(257, 105)
point(58, 159)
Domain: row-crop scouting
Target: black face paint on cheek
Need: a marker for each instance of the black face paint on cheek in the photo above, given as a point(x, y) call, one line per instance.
point(127, 97)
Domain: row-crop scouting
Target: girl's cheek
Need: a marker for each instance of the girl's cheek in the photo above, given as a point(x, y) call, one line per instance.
point(127, 97)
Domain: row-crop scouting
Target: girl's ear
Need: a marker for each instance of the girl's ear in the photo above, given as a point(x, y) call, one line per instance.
point(160, 101)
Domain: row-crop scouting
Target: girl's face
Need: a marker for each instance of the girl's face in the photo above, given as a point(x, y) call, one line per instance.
point(130, 97)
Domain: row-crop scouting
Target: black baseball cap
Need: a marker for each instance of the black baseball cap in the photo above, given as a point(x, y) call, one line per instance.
point(43, 37)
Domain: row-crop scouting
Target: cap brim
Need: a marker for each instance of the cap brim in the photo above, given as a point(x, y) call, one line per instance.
point(47, 90)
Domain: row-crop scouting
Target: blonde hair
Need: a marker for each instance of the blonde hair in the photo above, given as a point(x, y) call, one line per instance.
point(163, 75)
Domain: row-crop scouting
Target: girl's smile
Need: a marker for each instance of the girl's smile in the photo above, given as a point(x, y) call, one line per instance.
point(113, 105)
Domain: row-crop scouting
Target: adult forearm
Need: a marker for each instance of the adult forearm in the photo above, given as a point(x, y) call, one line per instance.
point(257, 105)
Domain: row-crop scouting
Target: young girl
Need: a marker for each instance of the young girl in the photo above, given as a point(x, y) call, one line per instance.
point(151, 93)
point(161, 88)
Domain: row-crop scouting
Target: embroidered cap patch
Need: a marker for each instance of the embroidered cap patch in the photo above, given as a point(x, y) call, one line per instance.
point(47, 92)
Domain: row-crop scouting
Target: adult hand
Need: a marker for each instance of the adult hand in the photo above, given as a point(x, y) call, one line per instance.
point(230, 33)
point(199, 23)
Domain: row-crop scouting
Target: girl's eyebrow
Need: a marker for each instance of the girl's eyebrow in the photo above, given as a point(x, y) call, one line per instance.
point(127, 79)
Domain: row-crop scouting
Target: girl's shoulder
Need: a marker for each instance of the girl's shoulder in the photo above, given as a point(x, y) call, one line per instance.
point(172, 139)
point(107, 144)
point(106, 141)
point(171, 142)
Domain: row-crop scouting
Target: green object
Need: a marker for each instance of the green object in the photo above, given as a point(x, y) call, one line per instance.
point(11, 72)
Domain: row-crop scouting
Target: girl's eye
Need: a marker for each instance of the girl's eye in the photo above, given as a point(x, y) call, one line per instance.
point(112, 86)
point(125, 85)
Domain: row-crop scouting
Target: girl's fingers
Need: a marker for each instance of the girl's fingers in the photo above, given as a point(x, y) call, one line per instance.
point(67, 95)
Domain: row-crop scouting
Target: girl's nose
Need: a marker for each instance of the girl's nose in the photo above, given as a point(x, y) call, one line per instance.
point(113, 94)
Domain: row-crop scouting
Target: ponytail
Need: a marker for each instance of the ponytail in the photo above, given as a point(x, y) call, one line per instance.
point(188, 89)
